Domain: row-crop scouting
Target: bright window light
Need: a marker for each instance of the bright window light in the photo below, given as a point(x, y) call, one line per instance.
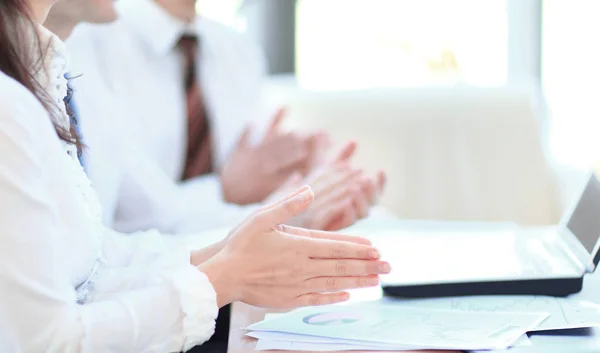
point(570, 76)
point(356, 44)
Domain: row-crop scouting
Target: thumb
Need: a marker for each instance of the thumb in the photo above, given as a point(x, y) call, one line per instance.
point(347, 152)
point(381, 181)
point(244, 139)
point(280, 212)
point(276, 122)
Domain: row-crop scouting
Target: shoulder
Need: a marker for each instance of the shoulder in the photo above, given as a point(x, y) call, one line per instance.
point(16, 98)
point(218, 30)
point(21, 114)
point(88, 36)
point(222, 38)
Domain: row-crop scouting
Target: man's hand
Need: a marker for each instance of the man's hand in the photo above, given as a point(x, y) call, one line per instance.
point(253, 172)
point(343, 195)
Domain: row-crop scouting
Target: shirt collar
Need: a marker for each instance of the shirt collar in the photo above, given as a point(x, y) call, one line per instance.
point(51, 76)
point(165, 31)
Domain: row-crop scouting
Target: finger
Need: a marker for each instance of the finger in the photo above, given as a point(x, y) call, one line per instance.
point(347, 152)
point(369, 190)
point(334, 186)
point(283, 199)
point(346, 219)
point(317, 234)
point(244, 139)
point(332, 249)
point(330, 212)
point(323, 174)
point(346, 216)
point(273, 128)
point(360, 202)
point(317, 299)
point(336, 284)
point(381, 181)
point(345, 268)
point(271, 218)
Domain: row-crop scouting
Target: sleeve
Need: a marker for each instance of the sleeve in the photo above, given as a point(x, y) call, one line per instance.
point(171, 307)
point(148, 198)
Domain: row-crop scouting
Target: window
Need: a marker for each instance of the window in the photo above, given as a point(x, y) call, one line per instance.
point(570, 76)
point(355, 44)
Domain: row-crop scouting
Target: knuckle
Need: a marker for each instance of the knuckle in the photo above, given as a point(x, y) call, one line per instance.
point(374, 268)
point(338, 252)
point(363, 253)
point(261, 217)
point(331, 284)
point(289, 207)
point(341, 268)
point(313, 299)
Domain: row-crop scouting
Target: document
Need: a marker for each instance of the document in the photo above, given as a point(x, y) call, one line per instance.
point(279, 336)
point(295, 345)
point(565, 313)
point(406, 327)
point(265, 345)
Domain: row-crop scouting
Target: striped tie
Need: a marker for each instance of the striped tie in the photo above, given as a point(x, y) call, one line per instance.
point(199, 148)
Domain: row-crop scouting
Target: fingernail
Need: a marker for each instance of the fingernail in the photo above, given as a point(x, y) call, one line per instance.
point(374, 254)
point(345, 296)
point(385, 268)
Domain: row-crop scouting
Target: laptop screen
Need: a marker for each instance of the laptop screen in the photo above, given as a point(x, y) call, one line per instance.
point(585, 219)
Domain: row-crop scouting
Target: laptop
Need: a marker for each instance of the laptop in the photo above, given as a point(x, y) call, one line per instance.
point(434, 262)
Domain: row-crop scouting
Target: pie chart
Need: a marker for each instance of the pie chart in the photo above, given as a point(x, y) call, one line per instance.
point(332, 319)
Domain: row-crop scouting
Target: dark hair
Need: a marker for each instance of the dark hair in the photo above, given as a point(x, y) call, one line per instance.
point(19, 46)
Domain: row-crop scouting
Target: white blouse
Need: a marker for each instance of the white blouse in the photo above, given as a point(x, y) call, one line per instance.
point(67, 283)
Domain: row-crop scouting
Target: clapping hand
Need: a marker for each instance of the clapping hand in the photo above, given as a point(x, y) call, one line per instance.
point(343, 195)
point(253, 172)
point(266, 263)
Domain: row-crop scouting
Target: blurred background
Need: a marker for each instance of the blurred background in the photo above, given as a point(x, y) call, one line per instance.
point(477, 109)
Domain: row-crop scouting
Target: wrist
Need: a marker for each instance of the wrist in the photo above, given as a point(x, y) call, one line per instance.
point(222, 279)
point(200, 256)
point(224, 189)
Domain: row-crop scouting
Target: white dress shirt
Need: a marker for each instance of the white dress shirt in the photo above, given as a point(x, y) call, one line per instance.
point(136, 60)
point(68, 283)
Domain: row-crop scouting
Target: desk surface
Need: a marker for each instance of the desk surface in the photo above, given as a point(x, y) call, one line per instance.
point(572, 342)
point(243, 315)
point(579, 341)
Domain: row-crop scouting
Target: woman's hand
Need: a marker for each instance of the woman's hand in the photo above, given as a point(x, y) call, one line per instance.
point(272, 265)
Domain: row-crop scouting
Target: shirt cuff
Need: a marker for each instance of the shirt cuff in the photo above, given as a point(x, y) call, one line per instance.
point(199, 308)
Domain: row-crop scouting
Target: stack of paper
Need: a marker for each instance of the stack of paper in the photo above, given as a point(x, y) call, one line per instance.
point(383, 327)
point(564, 313)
